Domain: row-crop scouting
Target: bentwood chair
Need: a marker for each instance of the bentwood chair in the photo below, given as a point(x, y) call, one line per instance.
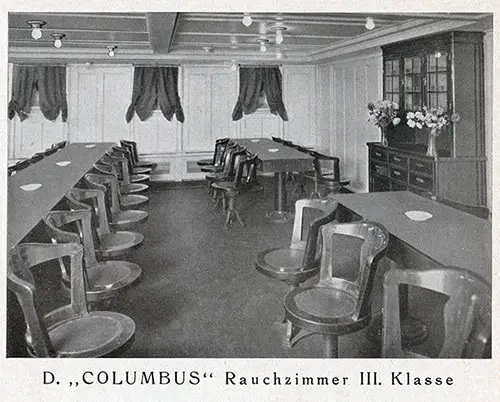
point(121, 166)
point(132, 145)
point(134, 176)
point(18, 166)
point(244, 167)
point(219, 167)
point(137, 174)
point(326, 175)
point(71, 330)
point(108, 244)
point(119, 219)
point(467, 312)
point(300, 261)
point(105, 279)
point(220, 147)
point(126, 201)
point(340, 303)
point(227, 172)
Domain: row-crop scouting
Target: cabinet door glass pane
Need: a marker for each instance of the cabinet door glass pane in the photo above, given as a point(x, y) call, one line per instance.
point(395, 98)
point(408, 65)
point(442, 101)
point(408, 102)
point(441, 82)
point(388, 84)
point(388, 67)
point(395, 84)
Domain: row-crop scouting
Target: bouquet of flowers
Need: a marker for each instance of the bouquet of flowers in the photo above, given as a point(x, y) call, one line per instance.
point(383, 112)
point(434, 118)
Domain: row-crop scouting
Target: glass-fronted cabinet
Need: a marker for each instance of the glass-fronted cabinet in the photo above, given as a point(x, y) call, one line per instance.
point(447, 71)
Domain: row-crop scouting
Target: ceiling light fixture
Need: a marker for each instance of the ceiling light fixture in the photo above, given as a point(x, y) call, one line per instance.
point(247, 20)
point(279, 33)
point(57, 40)
point(36, 28)
point(111, 50)
point(208, 49)
point(279, 54)
point(370, 24)
point(234, 67)
point(263, 42)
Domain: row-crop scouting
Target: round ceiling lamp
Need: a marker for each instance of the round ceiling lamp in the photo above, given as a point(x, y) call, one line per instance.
point(58, 40)
point(111, 50)
point(247, 19)
point(263, 42)
point(370, 24)
point(36, 28)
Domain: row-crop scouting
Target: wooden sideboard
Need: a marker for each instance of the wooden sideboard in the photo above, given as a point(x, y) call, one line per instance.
point(459, 179)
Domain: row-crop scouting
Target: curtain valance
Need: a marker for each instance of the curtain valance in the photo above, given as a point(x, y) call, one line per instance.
point(51, 84)
point(153, 87)
point(254, 82)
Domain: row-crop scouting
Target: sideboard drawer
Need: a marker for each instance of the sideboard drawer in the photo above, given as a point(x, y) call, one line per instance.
point(421, 181)
point(398, 160)
point(420, 165)
point(398, 174)
point(378, 153)
point(378, 168)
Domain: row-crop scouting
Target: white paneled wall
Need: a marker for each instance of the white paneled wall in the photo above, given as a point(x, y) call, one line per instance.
point(99, 95)
point(347, 86)
point(299, 95)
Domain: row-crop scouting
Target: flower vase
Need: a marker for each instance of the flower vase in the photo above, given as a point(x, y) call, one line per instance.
point(383, 139)
point(431, 143)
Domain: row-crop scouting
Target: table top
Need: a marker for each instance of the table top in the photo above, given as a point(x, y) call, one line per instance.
point(276, 157)
point(450, 237)
point(27, 208)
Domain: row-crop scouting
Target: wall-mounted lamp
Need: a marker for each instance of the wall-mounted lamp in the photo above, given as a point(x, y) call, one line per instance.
point(57, 40)
point(36, 28)
point(370, 24)
point(247, 20)
point(263, 42)
point(111, 50)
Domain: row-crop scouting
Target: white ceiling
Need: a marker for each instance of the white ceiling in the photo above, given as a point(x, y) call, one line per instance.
point(212, 35)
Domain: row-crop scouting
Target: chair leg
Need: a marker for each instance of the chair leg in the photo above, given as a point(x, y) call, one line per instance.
point(231, 210)
point(217, 199)
point(331, 345)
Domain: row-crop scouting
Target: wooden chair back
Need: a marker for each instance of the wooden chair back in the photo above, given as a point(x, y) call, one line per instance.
point(467, 312)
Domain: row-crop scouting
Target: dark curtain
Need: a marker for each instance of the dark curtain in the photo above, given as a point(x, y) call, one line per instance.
point(254, 82)
point(153, 87)
point(51, 84)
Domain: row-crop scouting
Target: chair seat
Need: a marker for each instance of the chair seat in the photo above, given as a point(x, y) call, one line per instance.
point(139, 178)
point(285, 264)
point(133, 188)
point(205, 162)
point(141, 170)
point(128, 201)
point(324, 310)
point(107, 279)
point(113, 244)
point(127, 219)
point(145, 164)
point(79, 335)
point(212, 169)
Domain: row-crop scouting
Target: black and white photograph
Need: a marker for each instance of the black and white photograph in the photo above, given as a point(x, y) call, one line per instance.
point(259, 203)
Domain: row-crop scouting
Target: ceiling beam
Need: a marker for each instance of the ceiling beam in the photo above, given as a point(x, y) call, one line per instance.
point(161, 28)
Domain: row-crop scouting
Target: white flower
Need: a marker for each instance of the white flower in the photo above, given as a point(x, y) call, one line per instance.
point(410, 115)
point(411, 123)
point(419, 115)
point(418, 124)
point(396, 121)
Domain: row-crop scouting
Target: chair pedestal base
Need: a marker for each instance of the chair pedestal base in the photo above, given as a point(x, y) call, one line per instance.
point(413, 331)
point(295, 334)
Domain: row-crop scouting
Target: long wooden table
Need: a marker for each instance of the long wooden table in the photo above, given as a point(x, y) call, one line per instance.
point(278, 159)
point(27, 208)
point(450, 238)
